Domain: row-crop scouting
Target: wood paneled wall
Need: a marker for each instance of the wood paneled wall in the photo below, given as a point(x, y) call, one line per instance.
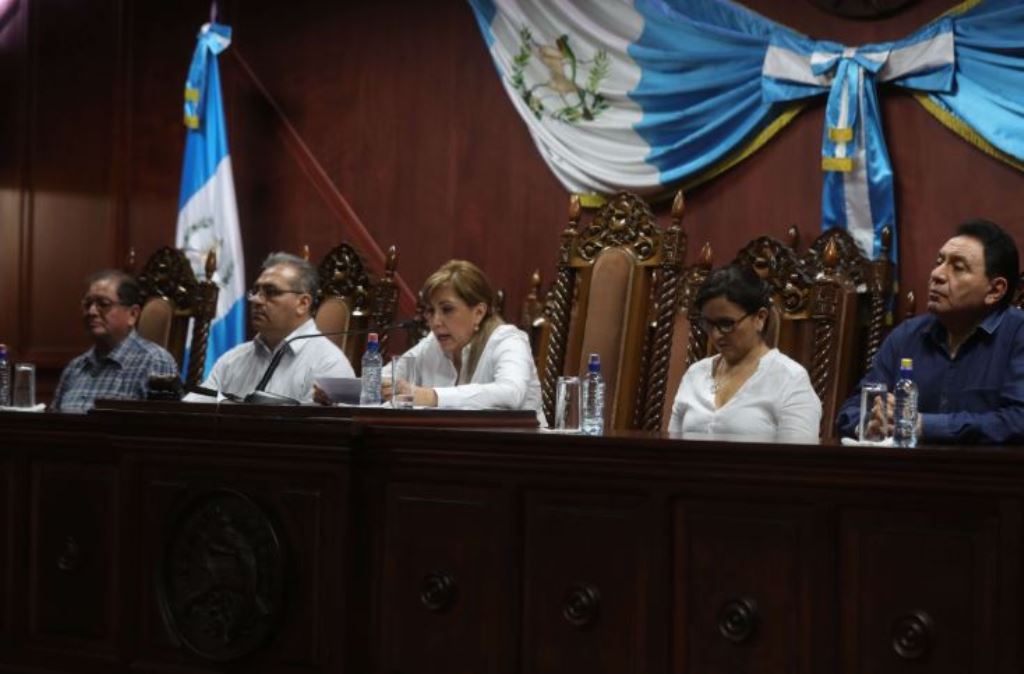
point(368, 122)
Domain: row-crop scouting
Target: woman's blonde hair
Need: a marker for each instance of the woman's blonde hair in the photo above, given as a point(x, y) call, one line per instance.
point(471, 286)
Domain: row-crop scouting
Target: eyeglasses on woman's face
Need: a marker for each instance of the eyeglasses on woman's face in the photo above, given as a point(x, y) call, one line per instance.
point(723, 325)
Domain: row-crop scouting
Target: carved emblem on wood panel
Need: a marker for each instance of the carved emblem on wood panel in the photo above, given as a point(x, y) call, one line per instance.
point(850, 261)
point(781, 268)
point(168, 274)
point(626, 220)
point(221, 581)
point(342, 274)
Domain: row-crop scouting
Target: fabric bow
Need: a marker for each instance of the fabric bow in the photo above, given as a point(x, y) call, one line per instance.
point(858, 189)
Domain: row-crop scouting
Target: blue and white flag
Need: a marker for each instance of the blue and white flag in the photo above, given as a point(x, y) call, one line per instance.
point(647, 95)
point(207, 212)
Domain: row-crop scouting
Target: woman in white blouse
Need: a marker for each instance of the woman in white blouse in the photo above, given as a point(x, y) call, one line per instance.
point(747, 388)
point(471, 359)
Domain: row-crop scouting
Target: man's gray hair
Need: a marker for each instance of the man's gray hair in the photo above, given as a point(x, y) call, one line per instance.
point(309, 280)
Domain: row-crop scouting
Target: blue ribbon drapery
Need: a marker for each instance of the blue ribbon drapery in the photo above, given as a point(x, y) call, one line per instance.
point(858, 192)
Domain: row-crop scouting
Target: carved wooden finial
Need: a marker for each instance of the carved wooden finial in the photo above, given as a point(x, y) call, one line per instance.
point(886, 241)
point(130, 260)
point(705, 256)
point(574, 207)
point(678, 206)
point(794, 236)
point(535, 281)
point(305, 252)
point(211, 264)
point(911, 307)
point(830, 256)
point(391, 260)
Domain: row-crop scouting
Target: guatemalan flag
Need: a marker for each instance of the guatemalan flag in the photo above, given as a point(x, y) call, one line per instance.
point(649, 95)
point(208, 214)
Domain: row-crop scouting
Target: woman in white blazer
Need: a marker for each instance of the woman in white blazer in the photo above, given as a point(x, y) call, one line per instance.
point(471, 359)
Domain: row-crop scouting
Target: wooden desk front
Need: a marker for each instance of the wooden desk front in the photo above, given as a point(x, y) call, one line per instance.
point(165, 540)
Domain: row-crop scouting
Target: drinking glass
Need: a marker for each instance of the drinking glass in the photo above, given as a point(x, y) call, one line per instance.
point(24, 389)
point(869, 393)
point(567, 404)
point(403, 368)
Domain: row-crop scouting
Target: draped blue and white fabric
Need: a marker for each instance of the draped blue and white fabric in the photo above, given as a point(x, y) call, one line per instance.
point(208, 213)
point(646, 95)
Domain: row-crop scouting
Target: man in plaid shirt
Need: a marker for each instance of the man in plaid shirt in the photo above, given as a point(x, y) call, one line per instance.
point(120, 363)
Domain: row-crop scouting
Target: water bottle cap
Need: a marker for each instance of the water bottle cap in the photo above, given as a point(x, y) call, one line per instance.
point(906, 363)
point(372, 342)
point(594, 364)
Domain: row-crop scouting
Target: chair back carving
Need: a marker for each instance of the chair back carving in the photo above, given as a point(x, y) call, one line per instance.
point(351, 299)
point(872, 280)
point(615, 293)
point(172, 300)
point(814, 315)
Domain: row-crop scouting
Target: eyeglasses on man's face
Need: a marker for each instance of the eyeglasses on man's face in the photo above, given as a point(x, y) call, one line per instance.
point(103, 304)
point(269, 291)
point(723, 325)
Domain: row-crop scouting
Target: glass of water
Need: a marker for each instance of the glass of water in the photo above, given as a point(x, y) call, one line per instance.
point(567, 405)
point(23, 391)
point(403, 374)
point(872, 393)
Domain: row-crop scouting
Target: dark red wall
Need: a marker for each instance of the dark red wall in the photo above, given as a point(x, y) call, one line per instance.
point(375, 122)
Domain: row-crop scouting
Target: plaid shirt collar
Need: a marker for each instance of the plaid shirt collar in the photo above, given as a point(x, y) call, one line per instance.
point(117, 355)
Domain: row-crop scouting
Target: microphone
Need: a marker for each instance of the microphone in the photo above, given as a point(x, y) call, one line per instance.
point(262, 397)
point(214, 393)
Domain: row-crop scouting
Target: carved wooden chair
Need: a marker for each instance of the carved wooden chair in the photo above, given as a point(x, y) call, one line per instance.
point(814, 316)
point(351, 299)
point(615, 293)
point(172, 301)
point(835, 341)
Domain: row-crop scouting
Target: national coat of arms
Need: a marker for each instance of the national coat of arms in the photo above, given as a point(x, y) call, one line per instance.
point(562, 96)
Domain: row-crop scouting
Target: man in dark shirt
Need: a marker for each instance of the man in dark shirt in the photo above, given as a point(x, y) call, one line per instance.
point(968, 351)
point(120, 362)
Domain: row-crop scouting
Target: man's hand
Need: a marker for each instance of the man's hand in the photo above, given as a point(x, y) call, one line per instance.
point(882, 413)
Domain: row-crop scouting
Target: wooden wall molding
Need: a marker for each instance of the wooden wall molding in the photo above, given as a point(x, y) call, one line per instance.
point(355, 231)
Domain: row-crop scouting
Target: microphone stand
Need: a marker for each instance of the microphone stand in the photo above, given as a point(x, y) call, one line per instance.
point(260, 396)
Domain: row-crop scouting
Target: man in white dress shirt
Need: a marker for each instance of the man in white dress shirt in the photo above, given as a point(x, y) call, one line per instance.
point(281, 304)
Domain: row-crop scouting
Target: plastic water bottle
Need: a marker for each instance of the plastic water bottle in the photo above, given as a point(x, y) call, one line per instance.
point(369, 393)
point(904, 432)
point(5, 377)
point(592, 392)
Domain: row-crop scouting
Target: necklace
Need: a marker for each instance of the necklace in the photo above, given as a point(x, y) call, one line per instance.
point(722, 379)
